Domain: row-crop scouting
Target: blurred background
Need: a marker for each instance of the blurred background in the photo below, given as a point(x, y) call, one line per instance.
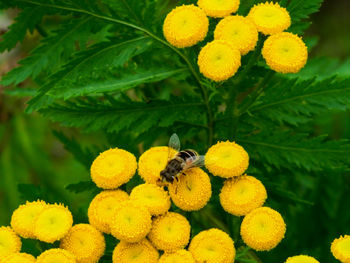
point(31, 154)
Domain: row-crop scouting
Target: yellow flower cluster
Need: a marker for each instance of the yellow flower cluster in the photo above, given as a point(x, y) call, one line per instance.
point(235, 36)
point(49, 223)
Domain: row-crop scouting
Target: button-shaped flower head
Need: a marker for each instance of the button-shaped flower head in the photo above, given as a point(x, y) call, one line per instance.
point(241, 195)
point(102, 207)
point(285, 53)
point(263, 229)
point(185, 26)
point(85, 242)
point(112, 168)
point(340, 248)
point(170, 232)
point(23, 218)
point(53, 223)
point(219, 60)
point(56, 255)
point(131, 222)
point(239, 31)
point(151, 196)
point(193, 190)
point(153, 161)
point(212, 246)
point(141, 252)
point(9, 242)
point(301, 259)
point(218, 8)
point(226, 159)
point(179, 256)
point(270, 18)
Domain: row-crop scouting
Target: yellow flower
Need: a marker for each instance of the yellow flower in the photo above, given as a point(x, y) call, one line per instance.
point(219, 60)
point(263, 229)
point(239, 31)
point(170, 232)
point(270, 18)
point(9, 241)
point(226, 159)
point(23, 218)
point(212, 246)
point(179, 256)
point(340, 248)
point(285, 53)
point(185, 26)
point(153, 161)
point(218, 8)
point(192, 191)
point(102, 207)
point(241, 195)
point(152, 197)
point(131, 222)
point(301, 259)
point(112, 168)
point(18, 258)
point(141, 252)
point(56, 255)
point(85, 242)
point(53, 223)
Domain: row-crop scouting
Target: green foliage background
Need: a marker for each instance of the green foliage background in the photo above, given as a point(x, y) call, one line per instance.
point(103, 73)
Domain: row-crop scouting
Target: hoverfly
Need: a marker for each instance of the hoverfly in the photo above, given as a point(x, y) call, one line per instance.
point(181, 162)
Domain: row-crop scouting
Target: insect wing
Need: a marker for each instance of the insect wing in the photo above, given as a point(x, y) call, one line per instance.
point(196, 161)
point(174, 142)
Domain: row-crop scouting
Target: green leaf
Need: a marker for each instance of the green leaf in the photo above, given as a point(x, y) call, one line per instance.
point(26, 20)
point(91, 65)
point(84, 156)
point(283, 149)
point(124, 82)
point(295, 102)
point(300, 10)
point(52, 52)
point(83, 186)
point(138, 116)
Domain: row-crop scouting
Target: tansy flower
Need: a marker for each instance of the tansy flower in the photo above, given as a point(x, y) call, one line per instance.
point(141, 252)
point(85, 242)
point(301, 259)
point(239, 31)
point(152, 197)
point(285, 52)
point(9, 241)
point(23, 218)
point(241, 195)
point(192, 191)
point(212, 246)
point(170, 232)
point(340, 248)
point(18, 258)
point(218, 8)
point(270, 18)
point(263, 228)
point(219, 60)
point(102, 207)
point(112, 168)
point(153, 161)
point(53, 223)
point(131, 222)
point(56, 255)
point(226, 159)
point(179, 256)
point(185, 26)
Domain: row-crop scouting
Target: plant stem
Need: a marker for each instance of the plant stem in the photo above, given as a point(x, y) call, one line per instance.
point(204, 91)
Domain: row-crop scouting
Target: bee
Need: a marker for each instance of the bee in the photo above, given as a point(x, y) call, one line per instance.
point(182, 161)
